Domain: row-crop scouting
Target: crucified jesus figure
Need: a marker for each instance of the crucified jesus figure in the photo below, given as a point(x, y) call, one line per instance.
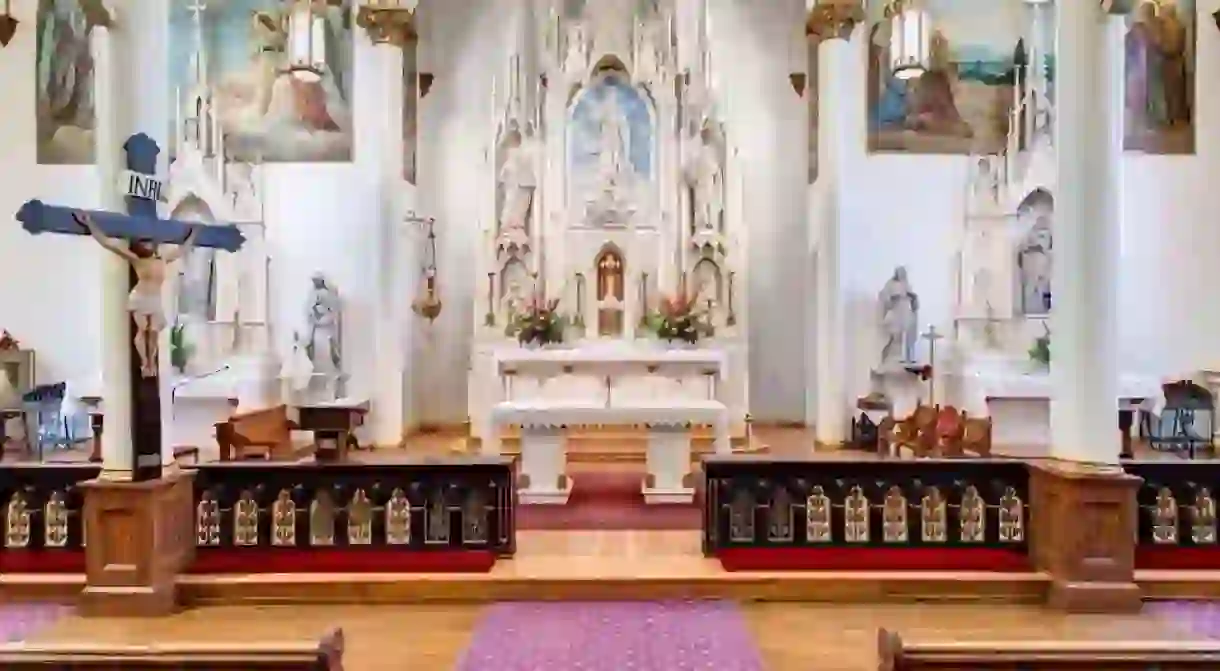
point(144, 301)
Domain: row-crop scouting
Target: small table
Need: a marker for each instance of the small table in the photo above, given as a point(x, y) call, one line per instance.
point(96, 424)
point(7, 414)
point(1127, 409)
point(333, 424)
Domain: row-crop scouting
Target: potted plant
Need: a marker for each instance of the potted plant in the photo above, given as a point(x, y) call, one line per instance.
point(539, 323)
point(179, 349)
point(678, 319)
point(1040, 353)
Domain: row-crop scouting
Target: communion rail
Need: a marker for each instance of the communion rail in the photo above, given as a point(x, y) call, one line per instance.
point(766, 513)
point(326, 655)
point(896, 654)
point(434, 515)
point(1177, 514)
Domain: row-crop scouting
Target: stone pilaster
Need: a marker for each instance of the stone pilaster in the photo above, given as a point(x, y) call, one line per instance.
point(841, 134)
point(380, 150)
point(112, 121)
point(1084, 319)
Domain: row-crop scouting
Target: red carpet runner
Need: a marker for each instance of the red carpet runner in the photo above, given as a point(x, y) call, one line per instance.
point(609, 501)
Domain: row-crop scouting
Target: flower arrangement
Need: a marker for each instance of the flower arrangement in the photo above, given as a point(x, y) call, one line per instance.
point(539, 323)
point(678, 318)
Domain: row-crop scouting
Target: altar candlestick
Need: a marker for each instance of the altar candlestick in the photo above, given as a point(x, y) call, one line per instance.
point(489, 319)
point(731, 319)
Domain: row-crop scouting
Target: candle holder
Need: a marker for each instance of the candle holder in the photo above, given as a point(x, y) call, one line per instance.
point(643, 308)
point(428, 304)
point(731, 319)
point(579, 320)
point(489, 319)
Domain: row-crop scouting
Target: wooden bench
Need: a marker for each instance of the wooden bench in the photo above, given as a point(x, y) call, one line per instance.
point(1117, 655)
point(324, 655)
point(264, 433)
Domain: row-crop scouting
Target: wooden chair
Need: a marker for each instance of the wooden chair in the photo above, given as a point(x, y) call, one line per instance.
point(916, 433)
point(1116, 655)
point(263, 434)
point(324, 655)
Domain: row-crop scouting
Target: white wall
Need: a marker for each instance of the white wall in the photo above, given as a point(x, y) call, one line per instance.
point(49, 285)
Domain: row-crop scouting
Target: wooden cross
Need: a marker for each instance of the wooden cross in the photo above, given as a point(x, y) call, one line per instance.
point(140, 223)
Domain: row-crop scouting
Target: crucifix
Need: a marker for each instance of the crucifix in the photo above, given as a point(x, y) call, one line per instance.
point(144, 232)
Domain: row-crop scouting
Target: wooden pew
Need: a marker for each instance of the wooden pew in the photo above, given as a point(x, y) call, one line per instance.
point(324, 655)
point(265, 433)
point(1117, 655)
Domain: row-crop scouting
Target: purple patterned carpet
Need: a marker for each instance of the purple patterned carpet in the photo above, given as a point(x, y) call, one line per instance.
point(1198, 618)
point(18, 621)
point(612, 636)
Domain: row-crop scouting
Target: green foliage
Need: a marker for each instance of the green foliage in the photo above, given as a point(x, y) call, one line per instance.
point(180, 350)
point(539, 324)
point(1041, 350)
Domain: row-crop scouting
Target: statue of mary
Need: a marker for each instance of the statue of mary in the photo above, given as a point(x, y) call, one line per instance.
point(899, 319)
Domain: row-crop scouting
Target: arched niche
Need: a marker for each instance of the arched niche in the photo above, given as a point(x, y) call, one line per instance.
point(709, 283)
point(1034, 253)
point(612, 145)
point(197, 294)
point(611, 272)
point(514, 287)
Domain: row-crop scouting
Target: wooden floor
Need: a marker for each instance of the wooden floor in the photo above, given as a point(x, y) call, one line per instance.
point(791, 637)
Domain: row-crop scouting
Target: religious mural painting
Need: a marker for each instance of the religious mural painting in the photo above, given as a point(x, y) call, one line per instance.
point(1159, 91)
point(282, 94)
point(611, 145)
point(65, 114)
point(978, 64)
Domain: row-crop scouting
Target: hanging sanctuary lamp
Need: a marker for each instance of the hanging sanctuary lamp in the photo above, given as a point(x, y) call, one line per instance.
point(910, 38)
point(428, 303)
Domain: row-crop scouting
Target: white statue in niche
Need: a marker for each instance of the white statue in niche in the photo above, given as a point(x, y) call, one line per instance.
point(512, 303)
point(705, 178)
point(899, 319)
point(323, 327)
point(519, 179)
point(1034, 267)
point(610, 150)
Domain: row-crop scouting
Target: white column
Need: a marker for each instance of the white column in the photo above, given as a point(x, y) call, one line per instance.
point(839, 130)
point(115, 339)
point(1084, 325)
point(382, 153)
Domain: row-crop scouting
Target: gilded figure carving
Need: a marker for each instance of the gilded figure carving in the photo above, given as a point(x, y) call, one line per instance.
point(474, 519)
point(856, 517)
point(972, 516)
point(1165, 518)
point(17, 522)
point(284, 520)
point(934, 516)
point(55, 521)
point(398, 519)
point(436, 520)
point(245, 520)
point(322, 519)
point(741, 517)
point(894, 516)
point(207, 521)
point(817, 517)
point(834, 19)
point(1203, 518)
point(1012, 517)
point(388, 25)
point(780, 518)
point(360, 519)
